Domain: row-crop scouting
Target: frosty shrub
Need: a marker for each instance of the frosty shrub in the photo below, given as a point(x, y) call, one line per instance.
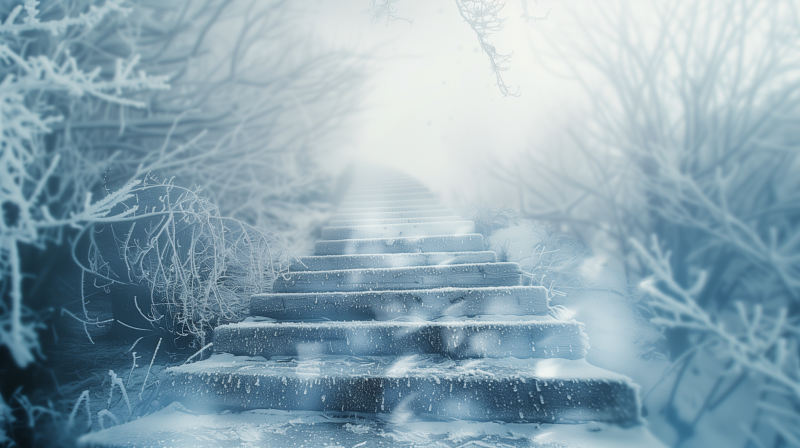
point(199, 267)
point(242, 119)
point(37, 203)
point(687, 174)
point(98, 98)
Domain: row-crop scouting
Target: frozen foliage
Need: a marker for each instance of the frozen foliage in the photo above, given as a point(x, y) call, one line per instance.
point(33, 214)
point(694, 142)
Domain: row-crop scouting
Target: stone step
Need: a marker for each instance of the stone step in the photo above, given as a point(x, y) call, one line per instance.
point(470, 242)
point(397, 193)
point(390, 197)
point(176, 426)
point(388, 209)
point(415, 277)
point(373, 222)
point(415, 204)
point(424, 304)
point(368, 189)
point(394, 215)
point(338, 262)
point(368, 184)
point(533, 337)
point(420, 387)
point(386, 202)
point(398, 230)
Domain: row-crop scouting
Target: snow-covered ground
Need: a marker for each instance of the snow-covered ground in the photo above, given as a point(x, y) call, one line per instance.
point(176, 426)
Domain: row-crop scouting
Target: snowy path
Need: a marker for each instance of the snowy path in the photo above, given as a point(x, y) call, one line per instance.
point(400, 331)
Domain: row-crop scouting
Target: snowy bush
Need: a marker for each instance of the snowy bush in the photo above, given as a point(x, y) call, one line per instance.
point(99, 98)
point(35, 213)
point(687, 175)
point(200, 268)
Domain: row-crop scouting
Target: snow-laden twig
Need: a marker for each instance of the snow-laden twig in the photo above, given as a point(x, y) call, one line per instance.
point(385, 11)
point(117, 381)
point(83, 398)
point(147, 375)
point(484, 19)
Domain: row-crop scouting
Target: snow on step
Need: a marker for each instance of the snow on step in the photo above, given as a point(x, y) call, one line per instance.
point(176, 426)
point(397, 196)
point(415, 277)
point(395, 199)
point(390, 208)
point(419, 386)
point(367, 261)
point(384, 184)
point(398, 200)
point(397, 230)
point(372, 222)
point(425, 304)
point(534, 337)
point(470, 242)
point(394, 215)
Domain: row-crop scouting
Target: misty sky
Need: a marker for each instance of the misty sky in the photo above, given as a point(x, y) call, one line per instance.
point(432, 103)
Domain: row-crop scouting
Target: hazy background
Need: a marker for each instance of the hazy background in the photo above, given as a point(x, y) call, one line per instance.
point(432, 108)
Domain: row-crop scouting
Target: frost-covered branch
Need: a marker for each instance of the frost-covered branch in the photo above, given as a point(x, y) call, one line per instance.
point(763, 339)
point(692, 138)
point(483, 17)
point(385, 11)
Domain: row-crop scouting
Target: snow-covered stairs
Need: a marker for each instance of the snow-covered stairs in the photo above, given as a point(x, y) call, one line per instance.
point(402, 317)
point(436, 328)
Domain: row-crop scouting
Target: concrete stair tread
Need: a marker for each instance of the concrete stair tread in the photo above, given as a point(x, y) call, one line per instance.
point(176, 426)
point(398, 197)
point(470, 242)
point(390, 202)
point(367, 261)
point(414, 277)
point(454, 227)
point(389, 209)
point(421, 386)
point(374, 222)
point(391, 304)
point(394, 215)
point(533, 337)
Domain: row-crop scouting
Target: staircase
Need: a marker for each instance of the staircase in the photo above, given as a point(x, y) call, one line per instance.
point(400, 330)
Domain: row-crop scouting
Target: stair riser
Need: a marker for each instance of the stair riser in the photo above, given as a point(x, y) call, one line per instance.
point(388, 209)
point(454, 243)
point(334, 262)
point(398, 201)
point(371, 187)
point(464, 275)
point(375, 222)
point(476, 397)
point(462, 340)
point(423, 304)
point(393, 215)
point(384, 205)
point(398, 230)
point(391, 194)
